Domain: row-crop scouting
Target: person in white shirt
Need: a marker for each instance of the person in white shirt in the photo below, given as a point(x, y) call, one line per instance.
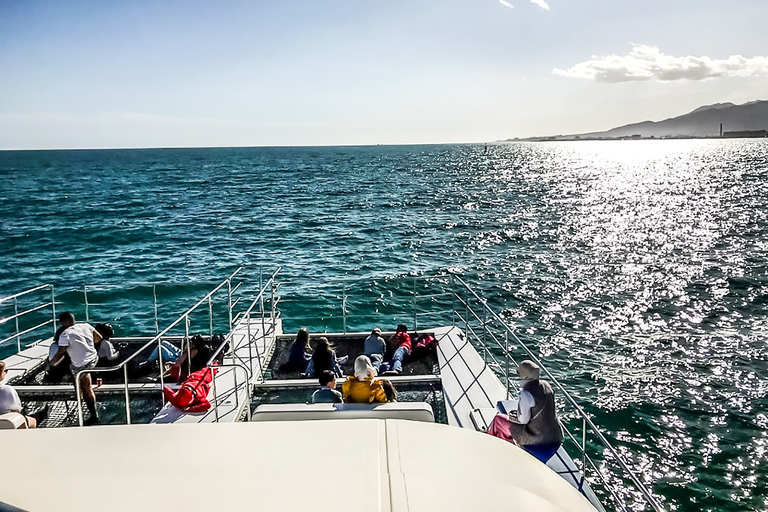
point(10, 402)
point(77, 340)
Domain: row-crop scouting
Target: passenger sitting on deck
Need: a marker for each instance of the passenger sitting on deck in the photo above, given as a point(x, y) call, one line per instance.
point(400, 343)
point(171, 353)
point(361, 388)
point(193, 359)
point(9, 402)
point(106, 350)
point(192, 396)
point(534, 425)
point(299, 355)
point(327, 394)
point(375, 347)
point(324, 358)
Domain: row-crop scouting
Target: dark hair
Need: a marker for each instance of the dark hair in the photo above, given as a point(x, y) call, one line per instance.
point(302, 337)
point(323, 355)
point(67, 317)
point(402, 328)
point(105, 330)
point(389, 390)
point(325, 377)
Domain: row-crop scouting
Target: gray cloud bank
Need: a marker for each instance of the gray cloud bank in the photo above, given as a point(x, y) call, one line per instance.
point(648, 63)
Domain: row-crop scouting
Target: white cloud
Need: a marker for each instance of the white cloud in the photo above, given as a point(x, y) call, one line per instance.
point(648, 63)
point(541, 3)
point(506, 4)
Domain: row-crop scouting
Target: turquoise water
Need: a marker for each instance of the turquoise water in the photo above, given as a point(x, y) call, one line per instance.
point(638, 269)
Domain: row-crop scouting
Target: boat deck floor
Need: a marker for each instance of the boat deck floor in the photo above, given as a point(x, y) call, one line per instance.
point(419, 363)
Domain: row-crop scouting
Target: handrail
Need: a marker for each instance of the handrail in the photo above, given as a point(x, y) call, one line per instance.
point(17, 315)
point(25, 312)
point(156, 339)
point(245, 314)
point(588, 421)
point(26, 331)
point(9, 297)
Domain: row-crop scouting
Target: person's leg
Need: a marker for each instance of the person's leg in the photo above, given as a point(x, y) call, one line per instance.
point(376, 362)
point(90, 397)
point(397, 359)
point(29, 422)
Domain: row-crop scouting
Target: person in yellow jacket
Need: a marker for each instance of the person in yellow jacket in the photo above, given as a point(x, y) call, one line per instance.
point(361, 388)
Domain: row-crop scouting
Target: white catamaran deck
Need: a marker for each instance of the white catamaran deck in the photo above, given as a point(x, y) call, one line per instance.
point(253, 341)
point(366, 465)
point(472, 392)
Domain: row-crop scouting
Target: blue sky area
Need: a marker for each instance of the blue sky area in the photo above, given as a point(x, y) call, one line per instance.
point(160, 73)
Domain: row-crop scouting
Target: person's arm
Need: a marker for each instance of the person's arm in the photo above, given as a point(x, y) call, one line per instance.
point(524, 406)
point(16, 402)
point(378, 392)
point(59, 355)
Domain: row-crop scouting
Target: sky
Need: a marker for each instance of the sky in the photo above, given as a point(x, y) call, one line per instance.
point(172, 73)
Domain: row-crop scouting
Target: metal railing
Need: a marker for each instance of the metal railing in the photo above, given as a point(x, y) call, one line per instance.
point(158, 339)
point(434, 301)
point(19, 332)
point(240, 362)
point(472, 319)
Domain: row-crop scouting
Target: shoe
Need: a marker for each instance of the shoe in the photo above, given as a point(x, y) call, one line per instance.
point(92, 420)
point(390, 373)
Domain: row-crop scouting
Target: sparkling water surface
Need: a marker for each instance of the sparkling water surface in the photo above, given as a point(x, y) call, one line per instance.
point(638, 269)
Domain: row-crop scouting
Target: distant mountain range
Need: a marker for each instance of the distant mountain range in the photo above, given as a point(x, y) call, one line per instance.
point(747, 120)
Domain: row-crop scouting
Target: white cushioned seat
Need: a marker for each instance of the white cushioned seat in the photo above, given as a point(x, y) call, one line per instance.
point(416, 411)
point(11, 420)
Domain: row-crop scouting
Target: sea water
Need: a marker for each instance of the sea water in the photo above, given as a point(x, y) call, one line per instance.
point(638, 269)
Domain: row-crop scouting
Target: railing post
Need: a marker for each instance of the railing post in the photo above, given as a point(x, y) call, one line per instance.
point(584, 445)
point(485, 322)
point(127, 397)
point(248, 399)
point(162, 366)
point(250, 345)
point(79, 400)
point(506, 356)
point(453, 298)
point(189, 347)
point(415, 321)
point(216, 398)
point(53, 305)
point(263, 333)
point(154, 303)
point(229, 302)
point(344, 306)
point(85, 298)
point(210, 316)
point(16, 314)
point(466, 311)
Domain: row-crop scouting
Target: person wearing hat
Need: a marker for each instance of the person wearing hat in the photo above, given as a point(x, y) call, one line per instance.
point(375, 347)
point(533, 426)
point(361, 388)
